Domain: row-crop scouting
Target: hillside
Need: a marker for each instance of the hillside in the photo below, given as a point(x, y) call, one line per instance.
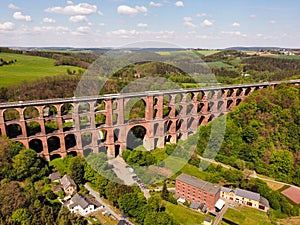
point(263, 134)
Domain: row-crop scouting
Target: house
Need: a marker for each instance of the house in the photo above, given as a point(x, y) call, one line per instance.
point(68, 185)
point(80, 205)
point(198, 207)
point(55, 177)
point(123, 222)
point(245, 197)
point(193, 189)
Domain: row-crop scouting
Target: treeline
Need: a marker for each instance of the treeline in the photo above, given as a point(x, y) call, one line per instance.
point(263, 134)
point(271, 68)
point(79, 59)
point(8, 50)
point(224, 56)
point(26, 196)
point(3, 62)
point(44, 88)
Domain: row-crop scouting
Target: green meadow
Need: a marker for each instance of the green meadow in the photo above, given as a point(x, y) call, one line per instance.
point(28, 68)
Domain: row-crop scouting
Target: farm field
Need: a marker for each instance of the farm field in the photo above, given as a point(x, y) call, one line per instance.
point(28, 68)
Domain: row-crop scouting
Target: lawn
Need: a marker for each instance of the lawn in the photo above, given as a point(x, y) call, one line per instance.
point(183, 215)
point(29, 68)
point(247, 216)
point(219, 64)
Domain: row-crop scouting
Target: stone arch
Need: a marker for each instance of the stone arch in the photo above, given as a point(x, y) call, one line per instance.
point(200, 95)
point(156, 126)
point(102, 134)
point(178, 124)
point(51, 126)
point(100, 105)
point(212, 116)
point(116, 134)
point(155, 113)
point(189, 109)
point(239, 91)
point(135, 109)
point(86, 138)
point(49, 110)
point(84, 122)
point(167, 99)
point(189, 96)
point(247, 91)
point(168, 125)
point(11, 114)
point(72, 153)
point(100, 119)
point(168, 138)
point(200, 107)
point(68, 124)
point(230, 92)
point(33, 128)
point(238, 101)
point(210, 106)
point(229, 103)
point(190, 122)
point(135, 136)
point(166, 111)
point(210, 94)
point(36, 145)
point(178, 98)
point(178, 110)
point(70, 141)
point(115, 117)
point(202, 118)
point(31, 112)
point(220, 104)
point(66, 108)
point(179, 136)
point(53, 143)
point(13, 130)
point(84, 107)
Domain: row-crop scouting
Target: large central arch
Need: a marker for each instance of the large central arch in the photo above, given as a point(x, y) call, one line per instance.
point(135, 137)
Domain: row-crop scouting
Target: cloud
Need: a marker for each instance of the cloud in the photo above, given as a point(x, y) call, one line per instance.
point(20, 16)
point(12, 6)
point(142, 25)
point(124, 32)
point(236, 24)
point(48, 20)
point(59, 29)
point(179, 4)
point(83, 29)
point(252, 16)
point(272, 21)
point(207, 23)
point(234, 33)
point(201, 14)
point(100, 13)
point(155, 4)
point(80, 9)
point(78, 18)
point(188, 22)
point(101, 24)
point(130, 11)
point(70, 2)
point(7, 26)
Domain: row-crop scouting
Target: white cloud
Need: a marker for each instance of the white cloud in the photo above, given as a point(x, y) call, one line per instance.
point(20, 16)
point(188, 22)
point(101, 24)
point(259, 35)
point(7, 26)
point(124, 32)
point(80, 9)
point(142, 25)
point(83, 30)
point(100, 13)
point(236, 24)
point(252, 16)
point(155, 4)
point(234, 33)
point(48, 20)
point(78, 18)
point(201, 14)
point(179, 4)
point(130, 11)
point(70, 2)
point(207, 23)
point(12, 6)
point(59, 29)
point(272, 21)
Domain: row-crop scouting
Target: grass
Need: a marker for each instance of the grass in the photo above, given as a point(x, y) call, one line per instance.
point(290, 221)
point(207, 52)
point(219, 64)
point(28, 68)
point(247, 216)
point(183, 215)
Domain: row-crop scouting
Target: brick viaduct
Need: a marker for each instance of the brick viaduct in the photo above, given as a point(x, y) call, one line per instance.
point(57, 127)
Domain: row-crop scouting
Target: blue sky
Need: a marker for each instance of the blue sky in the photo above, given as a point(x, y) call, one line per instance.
point(115, 23)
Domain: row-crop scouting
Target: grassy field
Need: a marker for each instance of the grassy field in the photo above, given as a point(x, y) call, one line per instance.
point(184, 215)
point(247, 216)
point(29, 68)
point(219, 64)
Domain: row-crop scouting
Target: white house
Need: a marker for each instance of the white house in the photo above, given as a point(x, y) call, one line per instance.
point(80, 205)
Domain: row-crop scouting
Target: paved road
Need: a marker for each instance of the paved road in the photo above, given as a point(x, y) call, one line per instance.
point(121, 170)
point(221, 214)
point(107, 207)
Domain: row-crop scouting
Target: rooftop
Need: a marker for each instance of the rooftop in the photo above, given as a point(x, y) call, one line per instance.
point(54, 176)
point(66, 181)
point(78, 200)
point(247, 194)
point(198, 183)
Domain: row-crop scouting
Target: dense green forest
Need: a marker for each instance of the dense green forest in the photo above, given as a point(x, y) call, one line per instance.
point(263, 134)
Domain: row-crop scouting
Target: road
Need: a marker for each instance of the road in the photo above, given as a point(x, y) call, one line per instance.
point(107, 207)
point(221, 214)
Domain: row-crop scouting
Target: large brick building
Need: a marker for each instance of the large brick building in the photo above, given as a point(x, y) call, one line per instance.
point(193, 189)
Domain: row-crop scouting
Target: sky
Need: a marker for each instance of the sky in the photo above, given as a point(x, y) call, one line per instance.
point(116, 23)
